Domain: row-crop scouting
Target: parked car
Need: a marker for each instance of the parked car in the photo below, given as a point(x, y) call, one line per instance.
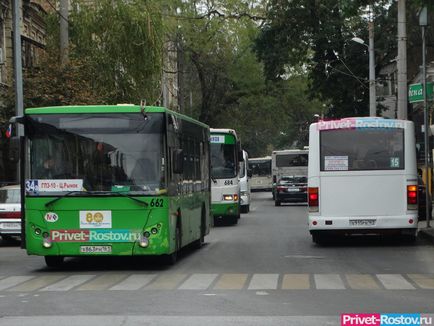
point(291, 189)
point(422, 200)
point(10, 211)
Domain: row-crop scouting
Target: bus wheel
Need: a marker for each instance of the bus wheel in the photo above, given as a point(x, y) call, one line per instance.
point(318, 238)
point(245, 209)
point(54, 261)
point(172, 258)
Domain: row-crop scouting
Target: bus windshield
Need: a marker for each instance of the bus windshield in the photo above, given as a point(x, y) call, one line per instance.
point(107, 152)
point(223, 161)
point(284, 160)
point(362, 149)
point(260, 168)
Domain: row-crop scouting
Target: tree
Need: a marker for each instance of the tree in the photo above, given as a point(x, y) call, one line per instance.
point(122, 43)
point(317, 34)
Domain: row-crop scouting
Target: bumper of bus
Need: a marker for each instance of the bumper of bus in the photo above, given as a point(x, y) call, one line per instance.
point(158, 244)
point(380, 224)
point(225, 209)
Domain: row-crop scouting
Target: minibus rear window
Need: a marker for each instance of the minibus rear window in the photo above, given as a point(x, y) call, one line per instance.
point(362, 149)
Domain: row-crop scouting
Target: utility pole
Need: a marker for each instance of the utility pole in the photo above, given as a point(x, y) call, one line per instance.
point(18, 68)
point(423, 22)
point(372, 91)
point(64, 31)
point(402, 61)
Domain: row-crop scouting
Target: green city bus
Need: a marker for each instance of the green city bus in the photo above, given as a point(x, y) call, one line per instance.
point(119, 180)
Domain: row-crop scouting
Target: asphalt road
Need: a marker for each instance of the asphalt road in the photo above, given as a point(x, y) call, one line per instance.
point(263, 271)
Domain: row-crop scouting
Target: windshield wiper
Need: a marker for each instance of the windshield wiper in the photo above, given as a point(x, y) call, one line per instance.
point(145, 204)
point(51, 202)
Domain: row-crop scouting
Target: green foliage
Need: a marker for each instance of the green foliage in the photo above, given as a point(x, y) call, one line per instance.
point(122, 42)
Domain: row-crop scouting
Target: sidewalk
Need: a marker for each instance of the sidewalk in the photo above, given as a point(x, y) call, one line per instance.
point(426, 233)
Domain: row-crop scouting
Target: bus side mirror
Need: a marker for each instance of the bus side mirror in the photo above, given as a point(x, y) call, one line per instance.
point(249, 173)
point(178, 161)
point(14, 149)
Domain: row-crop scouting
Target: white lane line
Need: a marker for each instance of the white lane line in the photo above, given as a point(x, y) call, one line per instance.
point(11, 281)
point(198, 282)
point(68, 283)
point(394, 282)
point(134, 282)
point(263, 282)
point(328, 282)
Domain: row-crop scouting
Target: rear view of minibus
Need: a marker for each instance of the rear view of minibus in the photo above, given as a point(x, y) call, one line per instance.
point(362, 178)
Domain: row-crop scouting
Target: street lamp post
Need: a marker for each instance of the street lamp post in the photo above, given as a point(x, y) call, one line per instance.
point(372, 91)
point(423, 22)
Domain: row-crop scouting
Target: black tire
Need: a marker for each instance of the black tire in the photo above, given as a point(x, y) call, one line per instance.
point(172, 258)
point(199, 242)
point(319, 238)
point(235, 220)
point(7, 238)
point(277, 203)
point(243, 209)
point(54, 261)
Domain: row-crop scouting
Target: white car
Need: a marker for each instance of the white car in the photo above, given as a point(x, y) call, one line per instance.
point(10, 211)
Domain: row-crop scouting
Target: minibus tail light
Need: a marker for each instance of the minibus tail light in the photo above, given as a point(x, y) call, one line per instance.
point(412, 197)
point(313, 199)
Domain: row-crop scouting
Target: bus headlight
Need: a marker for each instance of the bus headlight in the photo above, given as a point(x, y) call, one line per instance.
point(228, 197)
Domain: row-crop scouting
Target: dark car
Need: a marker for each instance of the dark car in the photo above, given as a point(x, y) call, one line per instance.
point(422, 201)
point(291, 189)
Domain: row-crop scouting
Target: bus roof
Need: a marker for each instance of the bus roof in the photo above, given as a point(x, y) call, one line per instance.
point(260, 158)
point(223, 131)
point(359, 122)
point(291, 151)
point(120, 108)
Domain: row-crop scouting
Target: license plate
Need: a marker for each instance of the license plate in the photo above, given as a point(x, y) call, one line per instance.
point(362, 222)
point(95, 249)
point(292, 190)
point(10, 226)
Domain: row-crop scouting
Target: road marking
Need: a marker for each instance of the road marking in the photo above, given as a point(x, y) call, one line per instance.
point(160, 320)
point(264, 282)
point(37, 283)
point(304, 257)
point(68, 283)
point(394, 282)
point(231, 282)
point(198, 282)
point(134, 282)
point(166, 282)
point(362, 282)
point(101, 282)
point(295, 282)
point(328, 282)
point(424, 281)
point(11, 281)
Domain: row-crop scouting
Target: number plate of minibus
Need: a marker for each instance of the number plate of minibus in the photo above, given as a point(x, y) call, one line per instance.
point(95, 249)
point(362, 222)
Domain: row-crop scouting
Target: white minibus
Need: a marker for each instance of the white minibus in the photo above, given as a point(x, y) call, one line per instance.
point(286, 163)
point(362, 178)
point(261, 173)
